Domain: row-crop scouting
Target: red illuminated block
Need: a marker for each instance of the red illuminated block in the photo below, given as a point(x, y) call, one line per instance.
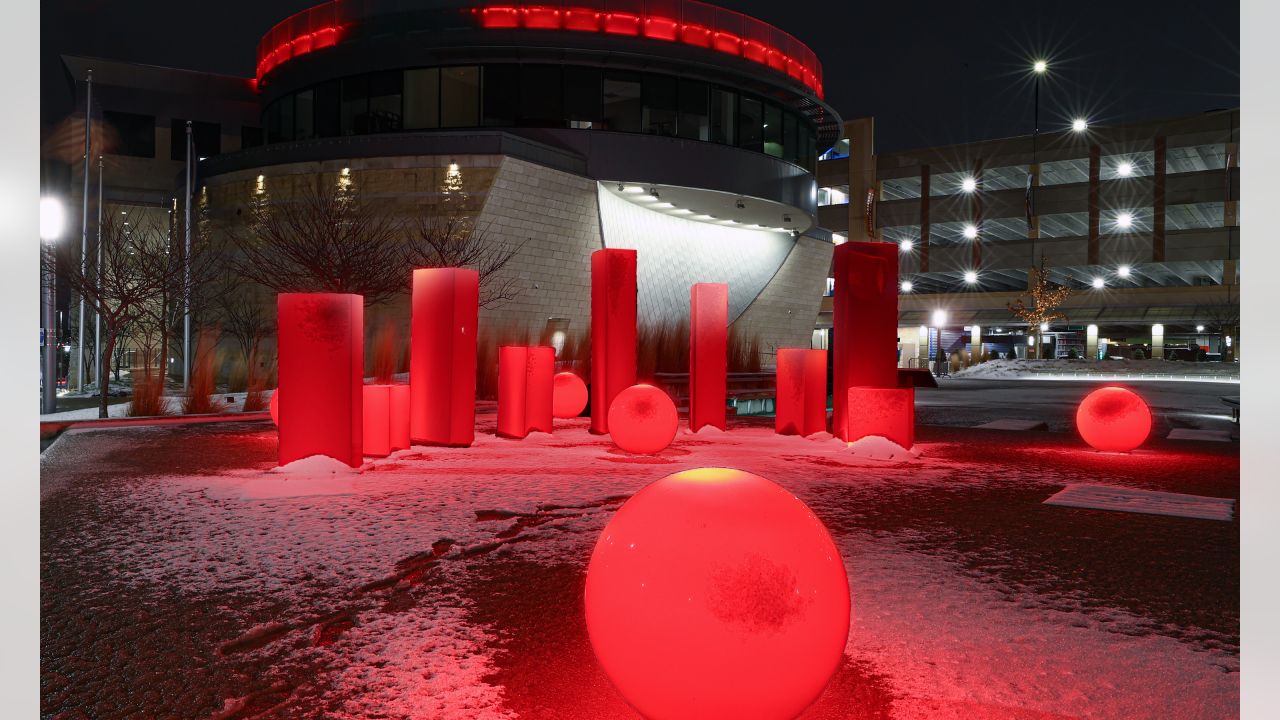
point(708, 354)
point(541, 18)
point(320, 346)
point(581, 20)
point(399, 417)
point(500, 17)
point(525, 390)
point(887, 412)
point(727, 43)
point(442, 366)
point(622, 23)
point(613, 330)
point(865, 320)
point(660, 28)
point(801, 406)
point(377, 417)
point(696, 35)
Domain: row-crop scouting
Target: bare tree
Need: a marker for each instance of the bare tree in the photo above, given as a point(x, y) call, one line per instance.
point(244, 317)
point(453, 240)
point(1042, 306)
point(328, 238)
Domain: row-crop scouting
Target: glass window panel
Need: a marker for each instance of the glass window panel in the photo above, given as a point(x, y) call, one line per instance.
point(422, 98)
point(206, 138)
point(622, 102)
point(280, 120)
point(772, 130)
point(385, 109)
point(724, 114)
point(304, 115)
point(328, 110)
point(135, 134)
point(460, 96)
point(791, 149)
point(750, 120)
point(694, 122)
point(582, 89)
point(660, 103)
point(355, 105)
point(541, 96)
point(251, 136)
point(501, 95)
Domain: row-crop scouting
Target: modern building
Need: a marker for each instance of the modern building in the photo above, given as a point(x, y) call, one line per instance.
point(1140, 220)
point(683, 130)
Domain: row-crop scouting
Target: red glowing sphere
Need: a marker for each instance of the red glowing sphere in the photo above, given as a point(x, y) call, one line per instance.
point(642, 420)
point(1113, 419)
point(274, 406)
point(715, 593)
point(568, 395)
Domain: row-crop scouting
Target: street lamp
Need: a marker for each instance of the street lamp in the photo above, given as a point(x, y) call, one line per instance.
point(1040, 67)
point(969, 184)
point(970, 277)
point(1079, 125)
point(906, 286)
point(1099, 283)
point(906, 246)
point(970, 232)
point(1123, 271)
point(1124, 169)
point(52, 222)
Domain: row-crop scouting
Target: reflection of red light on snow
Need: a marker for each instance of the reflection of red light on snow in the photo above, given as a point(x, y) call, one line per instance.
point(1113, 419)
point(642, 419)
point(715, 593)
point(569, 396)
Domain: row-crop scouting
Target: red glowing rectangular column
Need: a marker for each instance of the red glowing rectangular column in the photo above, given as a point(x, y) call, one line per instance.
point(321, 366)
point(377, 416)
point(525, 390)
point(708, 354)
point(442, 365)
point(887, 412)
point(613, 330)
point(865, 323)
point(399, 417)
point(801, 405)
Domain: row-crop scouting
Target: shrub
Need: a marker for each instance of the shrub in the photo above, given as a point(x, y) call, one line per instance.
point(199, 398)
point(1139, 355)
point(148, 398)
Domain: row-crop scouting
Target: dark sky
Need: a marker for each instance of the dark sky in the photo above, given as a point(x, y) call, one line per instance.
point(931, 73)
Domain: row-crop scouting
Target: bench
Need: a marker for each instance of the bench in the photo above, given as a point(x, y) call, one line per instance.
point(746, 393)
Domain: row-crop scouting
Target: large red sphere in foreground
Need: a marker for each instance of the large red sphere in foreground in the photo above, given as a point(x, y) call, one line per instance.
point(714, 593)
point(1113, 419)
point(568, 395)
point(643, 420)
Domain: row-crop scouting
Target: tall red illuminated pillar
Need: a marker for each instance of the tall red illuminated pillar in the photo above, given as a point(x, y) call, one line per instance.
point(321, 366)
point(708, 354)
point(801, 407)
point(442, 365)
point(525, 390)
point(613, 330)
point(865, 321)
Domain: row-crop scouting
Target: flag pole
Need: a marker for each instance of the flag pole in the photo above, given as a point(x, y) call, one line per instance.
point(186, 281)
point(84, 224)
point(97, 278)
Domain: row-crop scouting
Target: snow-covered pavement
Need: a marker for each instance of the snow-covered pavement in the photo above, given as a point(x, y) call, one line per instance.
point(181, 577)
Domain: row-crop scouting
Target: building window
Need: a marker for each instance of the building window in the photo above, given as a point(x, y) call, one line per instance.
point(622, 102)
point(251, 136)
point(724, 113)
point(541, 96)
point(422, 99)
point(694, 122)
point(501, 95)
point(135, 134)
point(206, 138)
point(280, 120)
point(385, 109)
point(328, 121)
point(355, 105)
point(304, 115)
point(582, 92)
point(750, 122)
point(660, 105)
point(791, 147)
point(460, 96)
point(771, 130)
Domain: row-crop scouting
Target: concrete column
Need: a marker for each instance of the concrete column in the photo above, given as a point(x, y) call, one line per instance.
point(1091, 342)
point(924, 218)
point(975, 344)
point(861, 133)
point(1231, 205)
point(1095, 211)
point(1158, 201)
point(922, 350)
point(1033, 232)
point(1157, 341)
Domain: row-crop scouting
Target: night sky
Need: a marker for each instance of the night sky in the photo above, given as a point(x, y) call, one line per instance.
point(931, 73)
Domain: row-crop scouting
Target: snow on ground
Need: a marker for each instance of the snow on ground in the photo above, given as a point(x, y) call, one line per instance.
point(446, 582)
point(1119, 369)
point(230, 403)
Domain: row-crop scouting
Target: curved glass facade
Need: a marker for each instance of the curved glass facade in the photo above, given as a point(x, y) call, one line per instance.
point(541, 95)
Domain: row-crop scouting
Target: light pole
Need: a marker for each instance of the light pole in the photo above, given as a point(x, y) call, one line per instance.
point(97, 316)
point(1038, 69)
point(52, 220)
point(84, 225)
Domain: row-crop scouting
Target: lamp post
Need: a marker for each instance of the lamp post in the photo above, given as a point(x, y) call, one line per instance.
point(1038, 69)
point(52, 220)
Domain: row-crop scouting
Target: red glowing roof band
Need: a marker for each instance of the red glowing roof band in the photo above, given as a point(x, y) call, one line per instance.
point(318, 28)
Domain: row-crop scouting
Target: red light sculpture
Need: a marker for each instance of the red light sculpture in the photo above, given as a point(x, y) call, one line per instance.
point(399, 416)
point(569, 397)
point(274, 407)
point(865, 321)
point(708, 354)
point(1113, 419)
point(887, 412)
point(613, 330)
point(377, 420)
point(801, 406)
point(715, 593)
point(321, 365)
point(442, 365)
point(643, 420)
point(525, 390)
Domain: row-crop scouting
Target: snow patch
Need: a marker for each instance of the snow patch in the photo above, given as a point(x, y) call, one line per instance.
point(876, 447)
